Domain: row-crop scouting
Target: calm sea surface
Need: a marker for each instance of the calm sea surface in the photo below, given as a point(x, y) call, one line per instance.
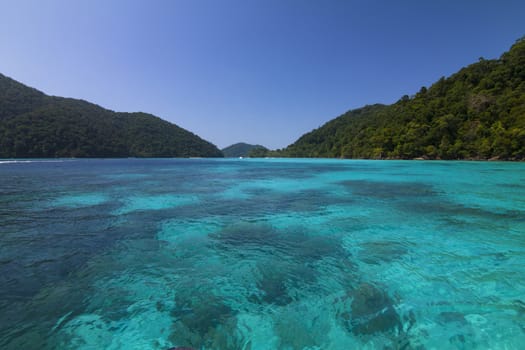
point(261, 254)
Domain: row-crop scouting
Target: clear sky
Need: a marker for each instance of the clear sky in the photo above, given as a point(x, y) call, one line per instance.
point(258, 71)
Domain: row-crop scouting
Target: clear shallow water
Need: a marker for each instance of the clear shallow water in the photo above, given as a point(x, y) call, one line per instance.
point(251, 254)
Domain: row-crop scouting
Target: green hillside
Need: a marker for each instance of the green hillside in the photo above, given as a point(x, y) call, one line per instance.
point(241, 149)
point(477, 113)
point(34, 125)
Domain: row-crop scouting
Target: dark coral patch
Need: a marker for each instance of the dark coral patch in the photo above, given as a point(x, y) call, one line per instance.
point(389, 190)
point(372, 311)
point(202, 320)
point(377, 252)
point(452, 317)
point(274, 289)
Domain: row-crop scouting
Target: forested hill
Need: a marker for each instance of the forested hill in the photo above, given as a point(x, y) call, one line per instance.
point(477, 113)
point(34, 125)
point(242, 149)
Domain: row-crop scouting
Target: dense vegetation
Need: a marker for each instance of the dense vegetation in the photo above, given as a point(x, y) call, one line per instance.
point(33, 125)
point(242, 149)
point(477, 113)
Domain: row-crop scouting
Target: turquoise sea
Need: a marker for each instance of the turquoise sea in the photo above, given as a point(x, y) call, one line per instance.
point(261, 254)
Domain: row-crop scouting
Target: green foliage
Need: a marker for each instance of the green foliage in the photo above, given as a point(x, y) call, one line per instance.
point(259, 152)
point(477, 113)
point(242, 150)
point(34, 125)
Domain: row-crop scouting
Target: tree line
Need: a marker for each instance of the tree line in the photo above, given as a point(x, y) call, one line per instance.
point(34, 125)
point(477, 113)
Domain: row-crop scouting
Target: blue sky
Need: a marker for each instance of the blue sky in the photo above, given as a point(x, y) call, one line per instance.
point(258, 71)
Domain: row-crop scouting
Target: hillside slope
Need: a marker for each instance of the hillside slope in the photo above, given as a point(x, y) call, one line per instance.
point(477, 113)
point(34, 125)
point(241, 149)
